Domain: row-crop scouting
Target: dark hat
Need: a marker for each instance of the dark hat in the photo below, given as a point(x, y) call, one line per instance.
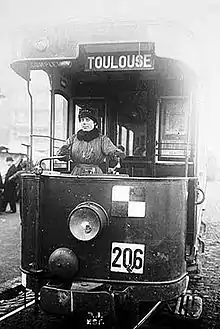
point(89, 113)
point(9, 158)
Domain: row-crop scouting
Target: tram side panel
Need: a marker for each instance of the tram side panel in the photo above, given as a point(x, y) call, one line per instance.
point(30, 230)
point(143, 240)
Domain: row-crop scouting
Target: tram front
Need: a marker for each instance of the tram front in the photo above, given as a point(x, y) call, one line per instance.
point(100, 246)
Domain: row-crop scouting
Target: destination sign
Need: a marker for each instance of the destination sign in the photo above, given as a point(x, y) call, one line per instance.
point(120, 62)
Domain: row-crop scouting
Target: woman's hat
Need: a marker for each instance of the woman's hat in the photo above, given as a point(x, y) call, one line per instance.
point(89, 113)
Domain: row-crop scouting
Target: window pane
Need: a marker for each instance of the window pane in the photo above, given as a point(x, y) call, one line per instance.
point(132, 124)
point(61, 113)
point(131, 142)
point(173, 129)
point(41, 148)
point(61, 116)
point(124, 137)
point(77, 124)
point(40, 89)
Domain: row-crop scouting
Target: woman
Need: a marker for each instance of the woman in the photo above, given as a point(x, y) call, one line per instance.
point(88, 148)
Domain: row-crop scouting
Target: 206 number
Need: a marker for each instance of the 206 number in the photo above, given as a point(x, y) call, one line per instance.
point(127, 258)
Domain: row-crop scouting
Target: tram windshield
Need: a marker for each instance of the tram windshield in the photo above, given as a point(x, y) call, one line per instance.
point(151, 129)
point(132, 123)
point(123, 118)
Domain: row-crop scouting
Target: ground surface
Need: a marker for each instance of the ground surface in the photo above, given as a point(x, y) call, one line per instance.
point(9, 246)
point(209, 283)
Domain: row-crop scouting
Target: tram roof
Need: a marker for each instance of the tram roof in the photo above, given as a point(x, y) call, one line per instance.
point(63, 45)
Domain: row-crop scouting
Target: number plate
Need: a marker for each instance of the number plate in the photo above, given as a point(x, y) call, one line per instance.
point(127, 257)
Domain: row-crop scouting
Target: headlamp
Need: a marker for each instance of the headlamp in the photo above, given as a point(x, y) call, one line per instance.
point(87, 220)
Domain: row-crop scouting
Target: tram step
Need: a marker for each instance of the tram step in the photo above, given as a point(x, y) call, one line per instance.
point(189, 306)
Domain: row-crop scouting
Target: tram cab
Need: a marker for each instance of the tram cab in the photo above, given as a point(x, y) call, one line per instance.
point(100, 244)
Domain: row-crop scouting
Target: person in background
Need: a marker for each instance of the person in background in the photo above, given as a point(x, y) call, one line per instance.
point(1, 192)
point(88, 148)
point(21, 168)
point(140, 150)
point(10, 192)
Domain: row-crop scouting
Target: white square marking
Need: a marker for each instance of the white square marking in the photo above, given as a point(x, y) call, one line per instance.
point(120, 193)
point(136, 209)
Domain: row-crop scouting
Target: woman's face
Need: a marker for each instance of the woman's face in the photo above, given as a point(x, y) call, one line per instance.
point(87, 124)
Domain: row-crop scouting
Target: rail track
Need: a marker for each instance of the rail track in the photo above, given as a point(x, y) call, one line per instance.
point(11, 305)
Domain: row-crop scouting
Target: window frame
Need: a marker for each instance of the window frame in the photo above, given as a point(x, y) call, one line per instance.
point(60, 165)
point(161, 132)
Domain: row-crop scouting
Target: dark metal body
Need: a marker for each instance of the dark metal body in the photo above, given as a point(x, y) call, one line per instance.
point(48, 200)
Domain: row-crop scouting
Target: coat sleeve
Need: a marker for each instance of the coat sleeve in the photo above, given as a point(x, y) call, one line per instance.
point(109, 149)
point(65, 149)
point(15, 175)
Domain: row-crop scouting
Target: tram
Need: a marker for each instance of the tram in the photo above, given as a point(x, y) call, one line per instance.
point(144, 217)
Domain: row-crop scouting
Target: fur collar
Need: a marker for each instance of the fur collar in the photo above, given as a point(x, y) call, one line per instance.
point(87, 136)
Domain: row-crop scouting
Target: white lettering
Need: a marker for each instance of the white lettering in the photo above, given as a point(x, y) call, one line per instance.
point(139, 61)
point(106, 62)
point(130, 63)
point(147, 59)
point(117, 62)
point(90, 59)
point(122, 62)
point(98, 62)
point(113, 66)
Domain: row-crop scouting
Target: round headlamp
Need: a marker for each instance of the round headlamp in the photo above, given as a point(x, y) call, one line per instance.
point(87, 220)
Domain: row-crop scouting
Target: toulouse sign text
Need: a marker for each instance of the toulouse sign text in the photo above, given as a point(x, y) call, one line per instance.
point(119, 62)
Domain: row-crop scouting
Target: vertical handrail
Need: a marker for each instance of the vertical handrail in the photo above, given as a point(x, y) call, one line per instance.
point(52, 118)
point(105, 118)
point(188, 136)
point(31, 124)
point(156, 120)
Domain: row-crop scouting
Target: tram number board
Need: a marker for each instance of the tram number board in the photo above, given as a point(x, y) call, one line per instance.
point(119, 62)
point(127, 258)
